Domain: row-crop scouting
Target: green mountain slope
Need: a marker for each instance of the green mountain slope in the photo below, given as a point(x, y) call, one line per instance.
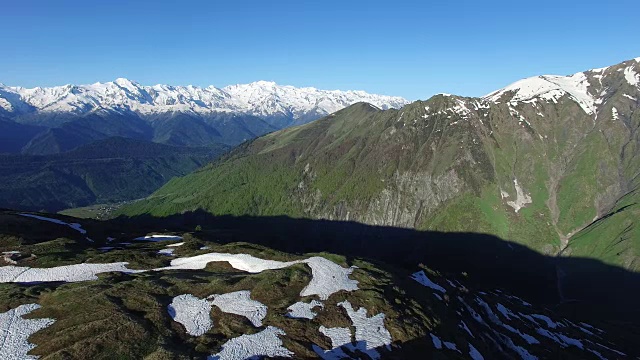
point(536, 166)
point(111, 170)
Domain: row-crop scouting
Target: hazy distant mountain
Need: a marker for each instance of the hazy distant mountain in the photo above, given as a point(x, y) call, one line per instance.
point(550, 161)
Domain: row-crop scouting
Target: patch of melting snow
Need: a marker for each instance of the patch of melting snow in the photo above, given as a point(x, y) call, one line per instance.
point(464, 326)
point(240, 303)
point(176, 244)
point(339, 337)
point(561, 339)
point(156, 238)
point(422, 278)
point(450, 346)
point(328, 277)
point(66, 273)
point(614, 114)
point(193, 313)
point(265, 343)
point(506, 312)
point(474, 353)
point(75, 226)
point(522, 199)
point(550, 323)
point(437, 343)
point(15, 331)
point(496, 320)
point(302, 310)
point(370, 331)
point(632, 78)
point(629, 97)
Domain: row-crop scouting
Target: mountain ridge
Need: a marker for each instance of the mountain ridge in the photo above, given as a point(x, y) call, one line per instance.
point(260, 98)
point(537, 168)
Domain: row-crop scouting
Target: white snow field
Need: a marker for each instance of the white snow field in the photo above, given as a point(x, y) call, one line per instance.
point(339, 337)
point(156, 238)
point(302, 310)
point(422, 278)
point(75, 226)
point(193, 313)
point(370, 331)
point(241, 262)
point(15, 332)
point(240, 303)
point(328, 277)
point(66, 273)
point(264, 343)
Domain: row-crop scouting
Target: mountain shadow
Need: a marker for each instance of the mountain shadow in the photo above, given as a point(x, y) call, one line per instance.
point(577, 287)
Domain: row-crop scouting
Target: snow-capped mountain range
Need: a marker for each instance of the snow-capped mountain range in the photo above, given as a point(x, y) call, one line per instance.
point(262, 99)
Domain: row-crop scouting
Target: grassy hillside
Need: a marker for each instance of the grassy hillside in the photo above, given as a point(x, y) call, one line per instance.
point(536, 172)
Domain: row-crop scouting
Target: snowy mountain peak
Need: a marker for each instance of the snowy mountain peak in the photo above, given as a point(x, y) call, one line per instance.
point(585, 88)
point(262, 98)
point(549, 87)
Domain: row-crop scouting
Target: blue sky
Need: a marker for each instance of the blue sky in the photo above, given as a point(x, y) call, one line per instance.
point(411, 49)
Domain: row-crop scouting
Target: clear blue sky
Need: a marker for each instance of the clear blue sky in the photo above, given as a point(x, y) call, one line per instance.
point(412, 49)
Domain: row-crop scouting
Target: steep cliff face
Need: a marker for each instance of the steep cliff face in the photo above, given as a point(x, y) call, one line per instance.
point(536, 162)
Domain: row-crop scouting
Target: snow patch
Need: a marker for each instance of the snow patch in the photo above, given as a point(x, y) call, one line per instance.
point(631, 76)
point(370, 331)
point(193, 313)
point(614, 114)
point(75, 226)
point(240, 303)
point(474, 353)
point(339, 337)
point(422, 278)
point(522, 199)
point(328, 277)
point(302, 310)
point(263, 344)
point(156, 238)
point(66, 273)
point(15, 332)
point(437, 343)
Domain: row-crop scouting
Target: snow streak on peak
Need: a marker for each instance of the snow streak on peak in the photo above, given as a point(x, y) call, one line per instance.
point(261, 98)
point(550, 87)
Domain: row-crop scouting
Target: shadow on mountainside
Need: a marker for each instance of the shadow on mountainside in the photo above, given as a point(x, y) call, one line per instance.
point(581, 287)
